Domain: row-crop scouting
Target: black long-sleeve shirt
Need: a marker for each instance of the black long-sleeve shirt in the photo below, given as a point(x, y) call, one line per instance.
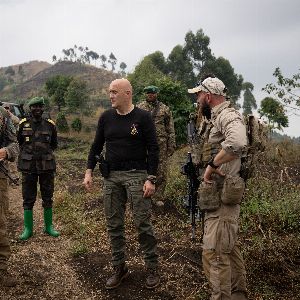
point(130, 137)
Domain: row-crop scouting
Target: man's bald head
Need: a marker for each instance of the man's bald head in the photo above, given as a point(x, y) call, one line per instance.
point(120, 94)
point(122, 84)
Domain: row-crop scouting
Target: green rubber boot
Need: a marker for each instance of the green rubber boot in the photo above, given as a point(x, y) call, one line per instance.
point(48, 223)
point(28, 225)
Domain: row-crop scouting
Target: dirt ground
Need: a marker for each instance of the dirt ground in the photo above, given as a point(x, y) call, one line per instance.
point(46, 270)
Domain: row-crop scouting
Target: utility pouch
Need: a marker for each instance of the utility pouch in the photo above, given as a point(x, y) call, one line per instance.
point(208, 196)
point(103, 166)
point(233, 190)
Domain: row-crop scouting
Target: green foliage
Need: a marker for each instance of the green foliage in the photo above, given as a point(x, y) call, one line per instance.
point(3, 82)
point(77, 96)
point(222, 68)
point(10, 71)
point(173, 94)
point(197, 49)
point(76, 125)
point(286, 89)
point(274, 111)
point(56, 88)
point(179, 67)
point(62, 123)
point(270, 207)
point(145, 73)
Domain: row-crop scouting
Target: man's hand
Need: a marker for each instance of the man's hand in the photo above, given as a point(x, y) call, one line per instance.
point(148, 189)
point(3, 154)
point(88, 180)
point(209, 171)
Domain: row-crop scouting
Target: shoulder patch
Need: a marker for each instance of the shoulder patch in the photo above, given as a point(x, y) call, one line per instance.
point(22, 121)
point(51, 121)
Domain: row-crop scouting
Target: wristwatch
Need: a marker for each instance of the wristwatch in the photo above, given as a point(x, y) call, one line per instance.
point(211, 163)
point(152, 179)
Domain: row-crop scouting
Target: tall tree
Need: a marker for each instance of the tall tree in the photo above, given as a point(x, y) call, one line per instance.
point(249, 100)
point(274, 111)
point(112, 61)
point(222, 68)
point(197, 49)
point(180, 67)
point(159, 61)
point(103, 59)
point(123, 66)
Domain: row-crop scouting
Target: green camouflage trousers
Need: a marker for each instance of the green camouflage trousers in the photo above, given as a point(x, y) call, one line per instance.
point(4, 243)
point(118, 187)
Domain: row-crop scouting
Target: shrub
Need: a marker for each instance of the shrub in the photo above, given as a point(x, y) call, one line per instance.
point(62, 123)
point(76, 125)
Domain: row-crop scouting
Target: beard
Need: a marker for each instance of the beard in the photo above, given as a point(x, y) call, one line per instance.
point(206, 110)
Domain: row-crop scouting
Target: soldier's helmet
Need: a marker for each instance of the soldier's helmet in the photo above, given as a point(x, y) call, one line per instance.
point(36, 101)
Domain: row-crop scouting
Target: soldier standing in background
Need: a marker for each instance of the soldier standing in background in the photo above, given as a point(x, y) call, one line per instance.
point(8, 151)
point(222, 142)
point(164, 124)
point(37, 138)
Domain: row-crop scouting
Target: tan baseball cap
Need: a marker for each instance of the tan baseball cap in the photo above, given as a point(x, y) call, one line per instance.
point(211, 85)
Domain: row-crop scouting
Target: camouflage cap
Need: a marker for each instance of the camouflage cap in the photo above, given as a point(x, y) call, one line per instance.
point(36, 100)
point(211, 85)
point(151, 89)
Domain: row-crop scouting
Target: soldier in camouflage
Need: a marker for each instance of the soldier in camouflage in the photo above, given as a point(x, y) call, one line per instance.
point(221, 142)
point(37, 138)
point(8, 151)
point(165, 132)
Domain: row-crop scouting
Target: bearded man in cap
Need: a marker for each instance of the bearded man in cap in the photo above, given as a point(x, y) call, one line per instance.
point(37, 138)
point(223, 141)
point(164, 125)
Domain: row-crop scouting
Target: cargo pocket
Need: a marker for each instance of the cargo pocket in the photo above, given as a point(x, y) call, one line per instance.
point(227, 234)
point(208, 196)
point(48, 162)
point(25, 161)
point(141, 207)
point(233, 190)
point(108, 205)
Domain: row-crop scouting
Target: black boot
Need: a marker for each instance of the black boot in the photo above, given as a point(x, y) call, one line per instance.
point(120, 273)
point(153, 278)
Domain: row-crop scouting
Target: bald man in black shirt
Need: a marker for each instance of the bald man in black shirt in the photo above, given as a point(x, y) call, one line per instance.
point(132, 155)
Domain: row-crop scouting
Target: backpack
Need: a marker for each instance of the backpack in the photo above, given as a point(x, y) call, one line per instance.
point(257, 134)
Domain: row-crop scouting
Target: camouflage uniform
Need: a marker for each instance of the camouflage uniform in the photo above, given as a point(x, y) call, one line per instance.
point(8, 141)
point(36, 161)
point(165, 132)
point(222, 261)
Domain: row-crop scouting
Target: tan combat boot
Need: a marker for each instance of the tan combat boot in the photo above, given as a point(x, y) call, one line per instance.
point(120, 273)
point(153, 278)
point(6, 279)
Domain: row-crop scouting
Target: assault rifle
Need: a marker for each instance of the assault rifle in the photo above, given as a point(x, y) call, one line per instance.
point(5, 171)
point(190, 200)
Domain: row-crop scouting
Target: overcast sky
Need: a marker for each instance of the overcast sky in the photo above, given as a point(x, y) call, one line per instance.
point(255, 36)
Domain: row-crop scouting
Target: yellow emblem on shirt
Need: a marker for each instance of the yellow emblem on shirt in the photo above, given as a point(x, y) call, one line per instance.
point(134, 131)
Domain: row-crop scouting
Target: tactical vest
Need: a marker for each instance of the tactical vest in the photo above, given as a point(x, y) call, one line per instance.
point(203, 149)
point(36, 154)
